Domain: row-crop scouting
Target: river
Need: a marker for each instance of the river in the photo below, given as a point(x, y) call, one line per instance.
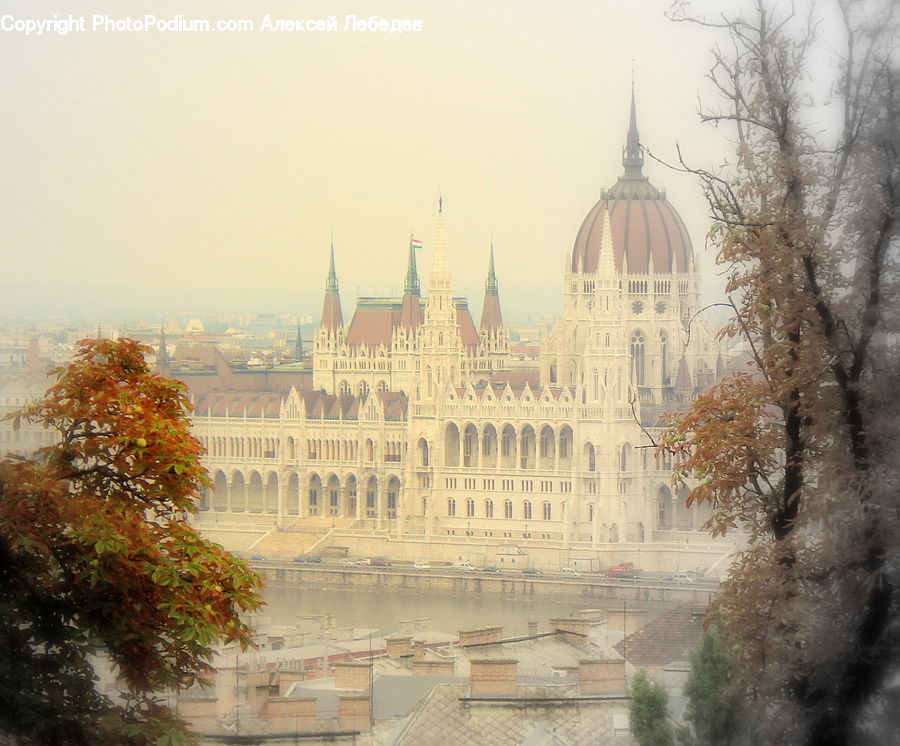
point(447, 612)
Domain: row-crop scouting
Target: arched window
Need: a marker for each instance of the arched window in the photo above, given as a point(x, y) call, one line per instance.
point(625, 464)
point(507, 508)
point(591, 510)
point(488, 508)
point(596, 384)
point(363, 389)
point(470, 508)
point(590, 457)
point(344, 388)
point(547, 511)
point(637, 357)
point(451, 506)
point(526, 510)
point(382, 386)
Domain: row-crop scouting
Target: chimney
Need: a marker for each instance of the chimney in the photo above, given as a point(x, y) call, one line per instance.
point(398, 647)
point(575, 631)
point(352, 675)
point(601, 676)
point(295, 713)
point(34, 356)
point(493, 678)
point(432, 667)
point(418, 650)
point(625, 620)
point(480, 636)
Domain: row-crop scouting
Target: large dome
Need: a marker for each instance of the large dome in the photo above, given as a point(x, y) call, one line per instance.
point(643, 223)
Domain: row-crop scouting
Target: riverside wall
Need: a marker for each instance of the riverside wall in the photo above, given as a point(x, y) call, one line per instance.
point(586, 588)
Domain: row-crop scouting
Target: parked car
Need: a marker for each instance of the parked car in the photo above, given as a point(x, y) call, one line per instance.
point(489, 569)
point(258, 558)
point(363, 561)
point(308, 560)
point(379, 562)
point(570, 572)
point(626, 575)
point(625, 570)
point(531, 571)
point(346, 561)
point(678, 577)
point(420, 565)
point(462, 566)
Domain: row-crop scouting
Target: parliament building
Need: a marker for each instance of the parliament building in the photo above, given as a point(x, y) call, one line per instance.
point(417, 422)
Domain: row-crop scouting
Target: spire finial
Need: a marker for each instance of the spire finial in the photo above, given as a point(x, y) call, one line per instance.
point(633, 154)
point(331, 283)
point(412, 274)
point(490, 287)
point(440, 202)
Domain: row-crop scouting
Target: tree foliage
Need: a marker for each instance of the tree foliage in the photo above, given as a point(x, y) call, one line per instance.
point(711, 711)
point(802, 449)
point(648, 712)
point(97, 558)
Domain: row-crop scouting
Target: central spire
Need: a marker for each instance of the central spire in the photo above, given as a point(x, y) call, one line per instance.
point(439, 304)
point(633, 153)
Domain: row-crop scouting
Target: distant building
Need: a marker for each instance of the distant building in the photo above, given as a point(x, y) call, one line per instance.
point(418, 421)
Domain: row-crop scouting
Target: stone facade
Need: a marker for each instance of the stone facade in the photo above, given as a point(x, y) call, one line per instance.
point(419, 424)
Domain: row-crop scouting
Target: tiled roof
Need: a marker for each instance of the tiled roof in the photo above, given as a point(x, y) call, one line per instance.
point(442, 719)
point(373, 322)
point(536, 656)
point(517, 378)
point(395, 405)
point(239, 403)
point(467, 331)
point(669, 637)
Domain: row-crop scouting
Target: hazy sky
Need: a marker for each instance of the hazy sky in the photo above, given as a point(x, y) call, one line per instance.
point(155, 171)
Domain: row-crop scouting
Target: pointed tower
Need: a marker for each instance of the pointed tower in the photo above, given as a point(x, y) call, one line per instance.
point(683, 384)
point(411, 309)
point(330, 338)
point(332, 318)
point(162, 356)
point(633, 153)
point(491, 317)
point(439, 305)
point(441, 347)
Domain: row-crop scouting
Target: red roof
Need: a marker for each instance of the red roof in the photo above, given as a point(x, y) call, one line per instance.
point(491, 317)
point(467, 330)
point(332, 317)
point(373, 322)
point(642, 220)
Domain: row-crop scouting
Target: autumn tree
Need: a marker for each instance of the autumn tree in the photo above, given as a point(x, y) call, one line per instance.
point(98, 561)
point(801, 449)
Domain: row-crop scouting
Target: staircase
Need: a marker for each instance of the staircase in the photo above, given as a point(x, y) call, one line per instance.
point(297, 538)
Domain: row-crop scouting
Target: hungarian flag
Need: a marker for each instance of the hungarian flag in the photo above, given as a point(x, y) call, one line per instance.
point(415, 243)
